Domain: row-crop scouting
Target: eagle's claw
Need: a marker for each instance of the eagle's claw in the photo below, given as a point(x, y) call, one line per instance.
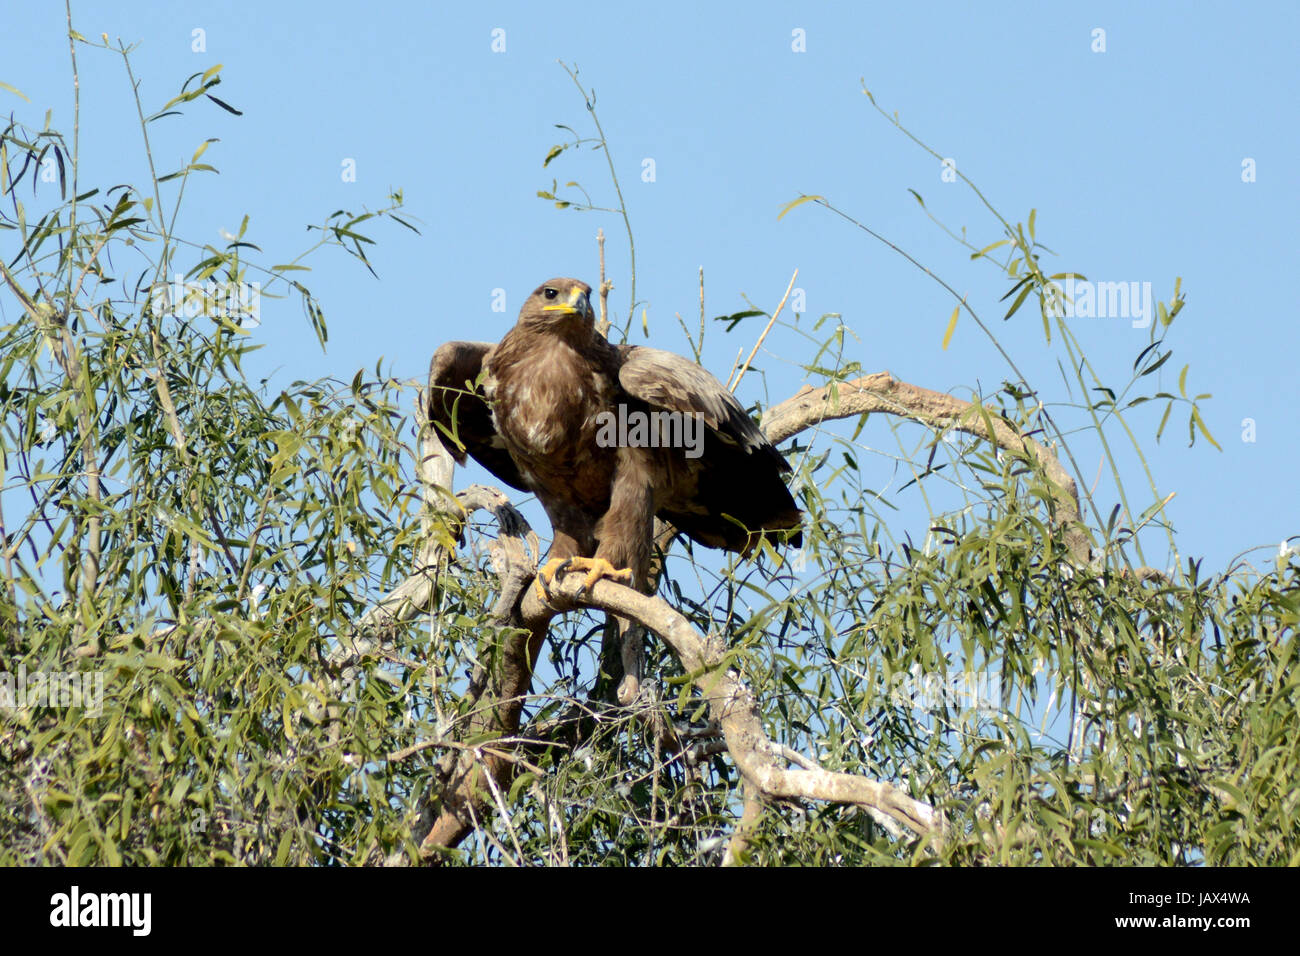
point(596, 569)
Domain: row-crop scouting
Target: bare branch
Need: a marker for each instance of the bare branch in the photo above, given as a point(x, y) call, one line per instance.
point(740, 837)
point(732, 705)
point(602, 327)
point(731, 385)
point(881, 392)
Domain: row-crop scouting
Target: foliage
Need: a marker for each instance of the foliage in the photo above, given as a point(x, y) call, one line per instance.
point(199, 546)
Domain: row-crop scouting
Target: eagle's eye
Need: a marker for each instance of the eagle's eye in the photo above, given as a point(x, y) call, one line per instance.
point(550, 293)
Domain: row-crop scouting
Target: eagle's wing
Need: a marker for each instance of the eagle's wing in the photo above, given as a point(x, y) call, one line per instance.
point(677, 384)
point(456, 403)
point(734, 491)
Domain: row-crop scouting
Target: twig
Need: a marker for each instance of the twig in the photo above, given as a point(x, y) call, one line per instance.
point(613, 174)
point(505, 815)
point(487, 834)
point(554, 820)
point(602, 327)
point(699, 349)
point(731, 385)
point(11, 583)
point(399, 755)
point(795, 757)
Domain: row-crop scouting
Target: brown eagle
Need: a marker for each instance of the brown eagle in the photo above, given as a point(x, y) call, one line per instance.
point(608, 437)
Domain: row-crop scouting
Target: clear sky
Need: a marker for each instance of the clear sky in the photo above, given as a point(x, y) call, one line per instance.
point(1133, 157)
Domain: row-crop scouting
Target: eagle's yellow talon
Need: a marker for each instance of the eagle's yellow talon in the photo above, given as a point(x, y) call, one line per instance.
point(596, 569)
point(546, 574)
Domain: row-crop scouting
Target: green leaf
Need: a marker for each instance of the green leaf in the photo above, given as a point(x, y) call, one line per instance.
point(1019, 300)
point(797, 202)
point(1164, 419)
point(989, 248)
point(737, 317)
point(952, 327)
point(203, 148)
point(286, 844)
point(16, 92)
point(402, 222)
point(1200, 424)
point(1157, 363)
point(224, 105)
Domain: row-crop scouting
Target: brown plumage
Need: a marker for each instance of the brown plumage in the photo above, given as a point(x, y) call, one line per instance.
point(540, 417)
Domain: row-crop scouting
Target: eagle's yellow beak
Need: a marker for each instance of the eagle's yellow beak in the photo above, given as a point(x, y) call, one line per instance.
point(577, 304)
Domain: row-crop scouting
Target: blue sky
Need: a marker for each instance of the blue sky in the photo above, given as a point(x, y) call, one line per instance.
point(1133, 158)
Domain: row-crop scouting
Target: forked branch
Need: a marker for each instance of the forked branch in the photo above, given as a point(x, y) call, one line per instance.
point(463, 794)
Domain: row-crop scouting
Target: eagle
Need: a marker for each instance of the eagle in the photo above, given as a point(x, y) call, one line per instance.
point(608, 437)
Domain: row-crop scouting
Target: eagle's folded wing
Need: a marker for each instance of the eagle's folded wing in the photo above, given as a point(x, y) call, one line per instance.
point(733, 492)
point(458, 410)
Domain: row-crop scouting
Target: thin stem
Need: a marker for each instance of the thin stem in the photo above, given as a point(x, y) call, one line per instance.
point(74, 367)
point(602, 327)
point(613, 174)
point(770, 322)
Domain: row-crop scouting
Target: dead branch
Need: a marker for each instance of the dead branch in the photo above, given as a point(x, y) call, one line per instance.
point(881, 392)
point(468, 779)
point(760, 761)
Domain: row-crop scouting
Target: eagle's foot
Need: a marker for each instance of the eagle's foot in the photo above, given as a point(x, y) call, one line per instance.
point(596, 569)
point(546, 574)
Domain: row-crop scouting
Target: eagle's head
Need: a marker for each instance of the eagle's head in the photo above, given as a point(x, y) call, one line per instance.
point(558, 304)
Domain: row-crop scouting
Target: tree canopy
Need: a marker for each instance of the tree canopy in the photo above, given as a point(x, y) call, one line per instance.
point(251, 625)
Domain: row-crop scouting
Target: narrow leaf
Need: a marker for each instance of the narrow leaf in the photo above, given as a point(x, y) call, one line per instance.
point(224, 105)
point(1019, 301)
point(952, 327)
point(1200, 423)
point(796, 202)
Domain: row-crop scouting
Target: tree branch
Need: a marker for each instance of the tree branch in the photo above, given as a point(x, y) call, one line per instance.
point(468, 777)
point(881, 392)
point(731, 704)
